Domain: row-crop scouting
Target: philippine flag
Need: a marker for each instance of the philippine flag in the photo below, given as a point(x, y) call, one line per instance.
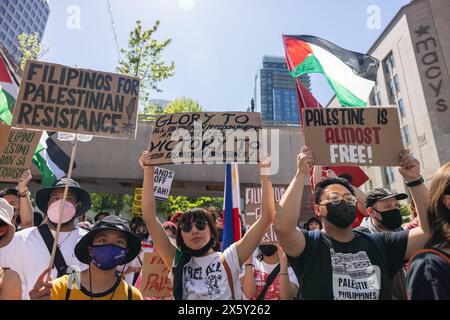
point(231, 223)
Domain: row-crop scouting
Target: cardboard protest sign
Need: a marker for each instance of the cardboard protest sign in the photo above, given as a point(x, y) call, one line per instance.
point(137, 202)
point(353, 136)
point(205, 137)
point(155, 277)
point(60, 98)
point(17, 149)
point(253, 209)
point(162, 181)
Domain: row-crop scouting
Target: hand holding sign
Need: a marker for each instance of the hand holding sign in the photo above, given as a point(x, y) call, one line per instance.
point(144, 162)
point(264, 165)
point(24, 179)
point(410, 167)
point(305, 160)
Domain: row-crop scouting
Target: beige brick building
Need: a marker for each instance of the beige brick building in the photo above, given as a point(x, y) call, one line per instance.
point(414, 51)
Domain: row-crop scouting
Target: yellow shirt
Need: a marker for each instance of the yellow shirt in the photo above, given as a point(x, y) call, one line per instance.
point(59, 290)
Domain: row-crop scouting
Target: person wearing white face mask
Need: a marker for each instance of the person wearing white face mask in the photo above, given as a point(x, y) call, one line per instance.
point(29, 251)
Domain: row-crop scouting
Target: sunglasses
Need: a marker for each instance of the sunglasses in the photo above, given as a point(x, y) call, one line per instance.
point(200, 224)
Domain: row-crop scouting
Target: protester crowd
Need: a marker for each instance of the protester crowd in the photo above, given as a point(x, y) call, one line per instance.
point(329, 257)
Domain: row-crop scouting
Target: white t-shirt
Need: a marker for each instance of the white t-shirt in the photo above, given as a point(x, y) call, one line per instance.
point(28, 255)
point(262, 271)
point(205, 278)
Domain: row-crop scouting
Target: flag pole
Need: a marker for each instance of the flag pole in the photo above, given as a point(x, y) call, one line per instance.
point(61, 206)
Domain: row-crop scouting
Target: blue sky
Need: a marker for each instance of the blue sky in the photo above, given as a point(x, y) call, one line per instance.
point(217, 45)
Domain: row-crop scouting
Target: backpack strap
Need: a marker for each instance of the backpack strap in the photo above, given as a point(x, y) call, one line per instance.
point(130, 293)
point(313, 240)
point(269, 282)
point(229, 275)
point(48, 238)
point(68, 291)
point(437, 252)
point(377, 240)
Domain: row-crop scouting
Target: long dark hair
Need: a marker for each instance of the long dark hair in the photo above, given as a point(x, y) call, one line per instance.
point(191, 216)
point(438, 214)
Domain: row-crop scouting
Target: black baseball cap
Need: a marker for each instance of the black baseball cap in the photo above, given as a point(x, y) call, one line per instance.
point(378, 194)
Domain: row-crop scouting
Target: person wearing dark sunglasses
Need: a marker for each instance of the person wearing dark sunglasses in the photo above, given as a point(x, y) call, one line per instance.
point(200, 271)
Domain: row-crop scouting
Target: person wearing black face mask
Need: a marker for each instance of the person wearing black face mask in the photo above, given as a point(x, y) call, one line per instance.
point(268, 276)
point(385, 216)
point(108, 245)
point(338, 262)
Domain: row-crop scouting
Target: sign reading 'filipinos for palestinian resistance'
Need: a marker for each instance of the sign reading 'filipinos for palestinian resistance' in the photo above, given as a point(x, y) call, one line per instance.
point(253, 209)
point(205, 137)
point(353, 136)
point(155, 277)
point(60, 98)
point(17, 149)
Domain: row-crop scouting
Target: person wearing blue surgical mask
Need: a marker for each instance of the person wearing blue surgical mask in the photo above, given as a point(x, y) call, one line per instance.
point(108, 245)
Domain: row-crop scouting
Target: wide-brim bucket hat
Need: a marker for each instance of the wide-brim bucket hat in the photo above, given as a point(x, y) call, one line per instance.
point(109, 223)
point(6, 215)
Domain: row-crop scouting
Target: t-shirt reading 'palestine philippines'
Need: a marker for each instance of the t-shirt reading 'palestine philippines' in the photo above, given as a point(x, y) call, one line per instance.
point(205, 278)
point(351, 271)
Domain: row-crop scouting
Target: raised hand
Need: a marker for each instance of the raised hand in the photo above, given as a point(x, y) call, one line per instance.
point(409, 166)
point(42, 288)
point(24, 179)
point(305, 160)
point(144, 162)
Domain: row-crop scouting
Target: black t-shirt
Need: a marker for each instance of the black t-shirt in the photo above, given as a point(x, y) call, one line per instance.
point(429, 277)
point(351, 271)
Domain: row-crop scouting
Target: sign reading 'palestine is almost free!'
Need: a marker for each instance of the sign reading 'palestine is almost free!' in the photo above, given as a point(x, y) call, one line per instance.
point(60, 98)
point(353, 136)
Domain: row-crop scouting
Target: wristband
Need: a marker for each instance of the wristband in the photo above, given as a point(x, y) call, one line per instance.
point(24, 194)
point(415, 183)
point(283, 274)
point(249, 264)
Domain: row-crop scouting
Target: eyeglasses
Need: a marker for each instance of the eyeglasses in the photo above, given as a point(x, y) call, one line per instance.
point(336, 198)
point(200, 224)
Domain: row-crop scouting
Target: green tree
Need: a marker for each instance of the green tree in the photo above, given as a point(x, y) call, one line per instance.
point(117, 204)
point(30, 48)
point(143, 59)
point(183, 203)
point(183, 104)
point(405, 212)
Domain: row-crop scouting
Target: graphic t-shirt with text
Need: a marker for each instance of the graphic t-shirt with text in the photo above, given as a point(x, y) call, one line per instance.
point(205, 278)
point(351, 271)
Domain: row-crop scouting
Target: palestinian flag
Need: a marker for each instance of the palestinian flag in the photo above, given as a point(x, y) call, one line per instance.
point(51, 160)
point(350, 74)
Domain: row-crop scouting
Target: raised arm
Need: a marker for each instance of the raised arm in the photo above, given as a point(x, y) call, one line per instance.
point(26, 209)
point(317, 175)
point(160, 239)
point(410, 170)
point(248, 244)
point(290, 238)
